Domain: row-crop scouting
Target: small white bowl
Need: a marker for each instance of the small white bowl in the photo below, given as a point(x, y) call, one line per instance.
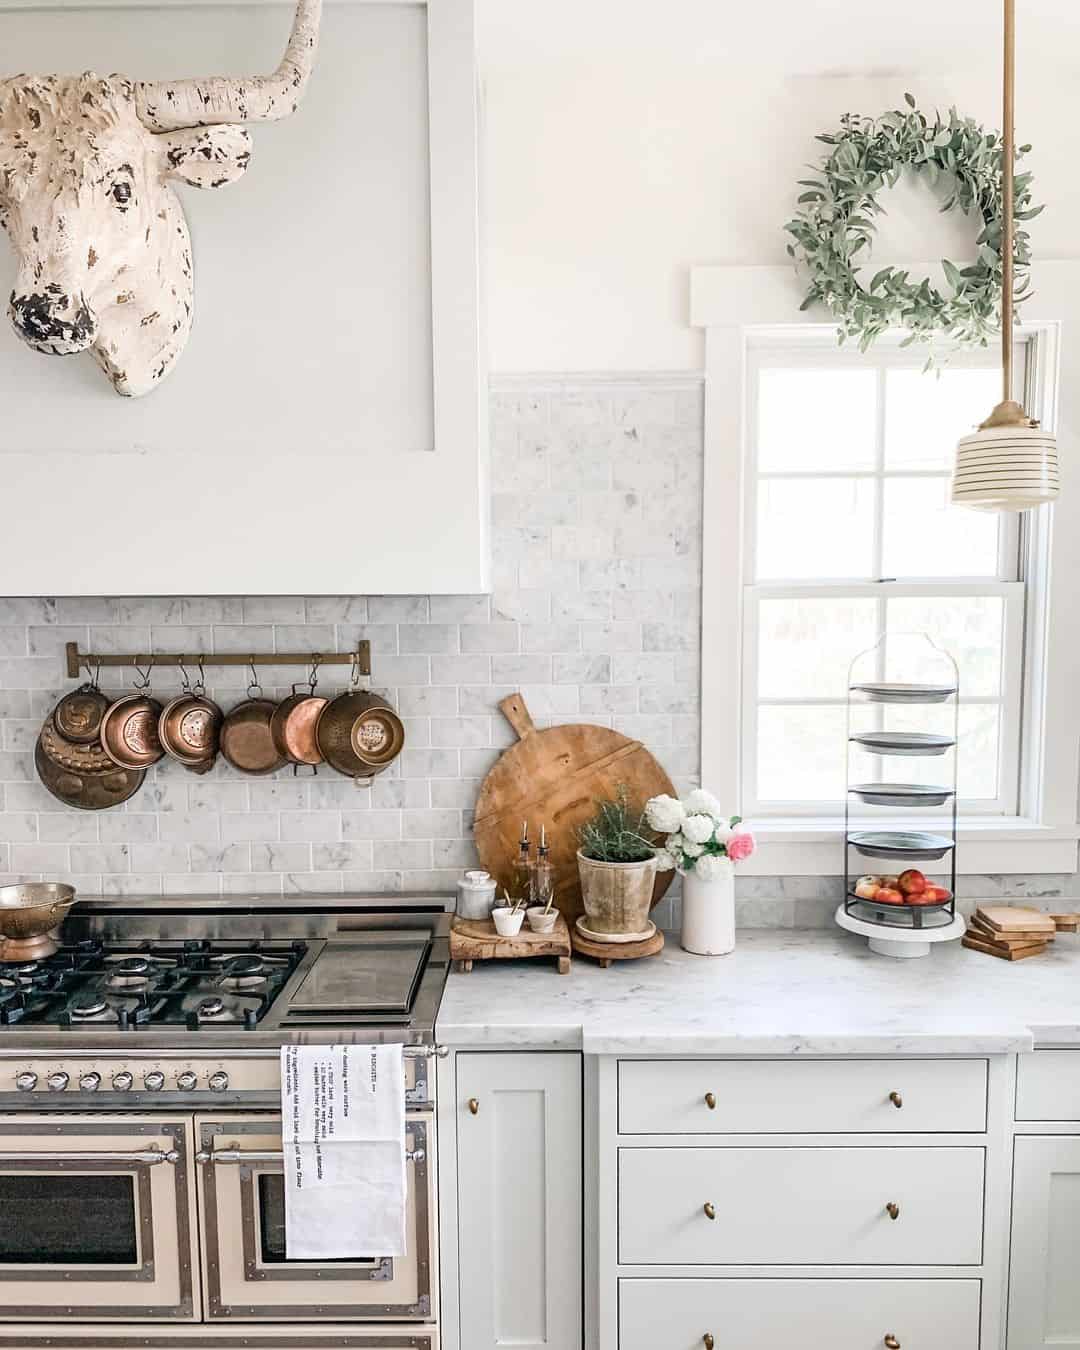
point(508, 921)
point(541, 921)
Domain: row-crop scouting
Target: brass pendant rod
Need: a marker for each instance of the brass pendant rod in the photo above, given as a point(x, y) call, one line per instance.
point(1008, 158)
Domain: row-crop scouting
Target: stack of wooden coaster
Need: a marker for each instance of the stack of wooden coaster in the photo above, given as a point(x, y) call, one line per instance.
point(1011, 932)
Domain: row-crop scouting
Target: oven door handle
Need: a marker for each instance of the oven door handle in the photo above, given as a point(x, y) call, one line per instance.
point(256, 1155)
point(150, 1156)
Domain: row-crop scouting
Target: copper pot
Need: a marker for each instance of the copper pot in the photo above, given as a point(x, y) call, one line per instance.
point(189, 728)
point(129, 731)
point(292, 727)
point(246, 739)
point(78, 715)
point(359, 733)
point(29, 914)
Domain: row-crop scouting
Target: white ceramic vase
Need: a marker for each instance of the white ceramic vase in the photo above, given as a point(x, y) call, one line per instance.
point(708, 914)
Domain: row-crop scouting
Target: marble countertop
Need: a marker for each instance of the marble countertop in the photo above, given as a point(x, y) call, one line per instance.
point(809, 993)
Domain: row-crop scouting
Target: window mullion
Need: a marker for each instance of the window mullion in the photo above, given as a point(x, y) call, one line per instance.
point(879, 486)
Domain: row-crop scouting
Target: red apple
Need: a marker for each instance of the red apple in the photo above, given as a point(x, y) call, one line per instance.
point(934, 895)
point(886, 895)
point(911, 882)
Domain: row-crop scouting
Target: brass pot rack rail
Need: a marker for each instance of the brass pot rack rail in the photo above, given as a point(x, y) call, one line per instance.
point(77, 661)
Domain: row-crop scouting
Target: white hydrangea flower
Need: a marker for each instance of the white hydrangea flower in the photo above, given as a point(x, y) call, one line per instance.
point(665, 814)
point(723, 832)
point(692, 850)
point(665, 860)
point(704, 803)
point(699, 828)
point(712, 868)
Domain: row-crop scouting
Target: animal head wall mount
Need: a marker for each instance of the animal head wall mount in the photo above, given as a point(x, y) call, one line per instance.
point(87, 166)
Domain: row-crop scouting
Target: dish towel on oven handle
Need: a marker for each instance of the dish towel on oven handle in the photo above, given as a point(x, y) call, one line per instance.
point(343, 1135)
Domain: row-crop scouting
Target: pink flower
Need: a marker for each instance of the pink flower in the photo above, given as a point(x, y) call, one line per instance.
point(740, 846)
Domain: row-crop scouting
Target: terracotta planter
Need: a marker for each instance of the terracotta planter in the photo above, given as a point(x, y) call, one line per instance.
point(617, 896)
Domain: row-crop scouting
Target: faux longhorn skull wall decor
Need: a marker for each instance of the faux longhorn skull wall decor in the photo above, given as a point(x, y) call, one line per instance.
point(87, 166)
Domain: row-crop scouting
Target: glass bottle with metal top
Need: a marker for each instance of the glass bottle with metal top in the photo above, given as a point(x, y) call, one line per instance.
point(523, 867)
point(543, 875)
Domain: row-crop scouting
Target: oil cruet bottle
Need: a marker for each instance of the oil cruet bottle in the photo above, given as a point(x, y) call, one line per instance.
point(543, 873)
point(523, 867)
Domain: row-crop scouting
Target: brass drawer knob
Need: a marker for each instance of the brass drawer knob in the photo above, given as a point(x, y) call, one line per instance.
point(891, 1342)
point(710, 1100)
point(474, 1105)
point(892, 1209)
point(896, 1100)
point(707, 1341)
point(710, 1209)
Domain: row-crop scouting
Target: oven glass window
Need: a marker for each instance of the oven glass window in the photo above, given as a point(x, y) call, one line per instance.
point(67, 1220)
point(272, 1222)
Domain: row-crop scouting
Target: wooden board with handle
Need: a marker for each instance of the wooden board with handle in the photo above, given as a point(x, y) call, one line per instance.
point(554, 777)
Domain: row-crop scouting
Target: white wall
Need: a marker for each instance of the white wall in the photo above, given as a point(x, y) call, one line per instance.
point(628, 140)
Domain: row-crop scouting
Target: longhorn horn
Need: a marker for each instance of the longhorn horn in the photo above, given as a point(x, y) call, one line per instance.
point(166, 105)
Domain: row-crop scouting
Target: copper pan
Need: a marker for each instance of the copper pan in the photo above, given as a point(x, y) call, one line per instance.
point(189, 728)
point(78, 715)
point(29, 915)
point(129, 731)
point(293, 727)
point(359, 733)
point(246, 740)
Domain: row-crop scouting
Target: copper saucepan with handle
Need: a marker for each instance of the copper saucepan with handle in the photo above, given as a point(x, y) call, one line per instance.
point(246, 739)
point(294, 720)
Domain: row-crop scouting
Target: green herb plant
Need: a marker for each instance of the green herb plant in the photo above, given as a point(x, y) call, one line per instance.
point(617, 833)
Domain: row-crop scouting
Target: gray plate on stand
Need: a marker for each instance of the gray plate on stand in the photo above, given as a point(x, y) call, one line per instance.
point(901, 794)
point(904, 742)
point(905, 693)
point(916, 845)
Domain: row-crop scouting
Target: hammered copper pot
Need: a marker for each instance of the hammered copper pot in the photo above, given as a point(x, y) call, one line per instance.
point(79, 787)
point(246, 739)
point(29, 915)
point(129, 731)
point(359, 733)
point(293, 724)
point(65, 754)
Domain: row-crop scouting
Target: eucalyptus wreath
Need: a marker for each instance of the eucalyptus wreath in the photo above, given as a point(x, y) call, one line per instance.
point(834, 230)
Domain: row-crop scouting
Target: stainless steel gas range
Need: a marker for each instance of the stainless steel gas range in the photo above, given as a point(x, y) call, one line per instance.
point(141, 1184)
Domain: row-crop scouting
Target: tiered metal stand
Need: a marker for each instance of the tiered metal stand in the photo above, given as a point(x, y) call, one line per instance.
point(872, 843)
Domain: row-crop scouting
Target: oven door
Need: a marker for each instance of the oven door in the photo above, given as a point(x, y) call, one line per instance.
point(96, 1218)
point(247, 1270)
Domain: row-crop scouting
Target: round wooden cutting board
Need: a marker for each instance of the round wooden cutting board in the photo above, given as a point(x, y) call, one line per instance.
point(553, 778)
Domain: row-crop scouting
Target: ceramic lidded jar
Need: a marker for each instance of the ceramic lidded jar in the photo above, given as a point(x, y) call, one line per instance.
point(475, 896)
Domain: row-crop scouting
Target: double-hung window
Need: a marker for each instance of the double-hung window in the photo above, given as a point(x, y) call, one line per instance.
point(849, 533)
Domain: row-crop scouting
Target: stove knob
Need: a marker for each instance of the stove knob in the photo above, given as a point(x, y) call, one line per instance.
point(90, 1082)
point(57, 1081)
point(218, 1081)
point(26, 1081)
point(153, 1081)
point(123, 1081)
point(187, 1081)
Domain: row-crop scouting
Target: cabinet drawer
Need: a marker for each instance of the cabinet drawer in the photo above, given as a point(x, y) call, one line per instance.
point(40, 1336)
point(800, 1206)
point(768, 1314)
point(802, 1096)
point(1048, 1085)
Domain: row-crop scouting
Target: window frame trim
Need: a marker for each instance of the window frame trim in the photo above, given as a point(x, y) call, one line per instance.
point(732, 305)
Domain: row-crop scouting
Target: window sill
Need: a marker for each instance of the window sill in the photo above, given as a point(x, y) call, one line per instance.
point(810, 845)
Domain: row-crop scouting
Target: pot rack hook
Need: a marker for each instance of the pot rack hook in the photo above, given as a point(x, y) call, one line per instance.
point(143, 682)
point(185, 678)
point(254, 688)
point(313, 675)
point(199, 686)
point(354, 676)
point(93, 672)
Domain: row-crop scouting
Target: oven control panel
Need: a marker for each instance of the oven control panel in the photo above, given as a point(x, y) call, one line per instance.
point(86, 1077)
point(71, 1079)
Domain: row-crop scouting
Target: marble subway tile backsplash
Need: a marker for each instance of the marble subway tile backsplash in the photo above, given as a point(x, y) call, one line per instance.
point(595, 615)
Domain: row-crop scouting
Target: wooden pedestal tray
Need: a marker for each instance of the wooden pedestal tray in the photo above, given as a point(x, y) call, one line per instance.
point(606, 952)
point(476, 940)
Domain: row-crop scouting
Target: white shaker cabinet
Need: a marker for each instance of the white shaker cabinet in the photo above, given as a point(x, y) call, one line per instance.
point(519, 1200)
point(1044, 1291)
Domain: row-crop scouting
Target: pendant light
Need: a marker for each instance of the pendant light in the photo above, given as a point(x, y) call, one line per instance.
point(1010, 463)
